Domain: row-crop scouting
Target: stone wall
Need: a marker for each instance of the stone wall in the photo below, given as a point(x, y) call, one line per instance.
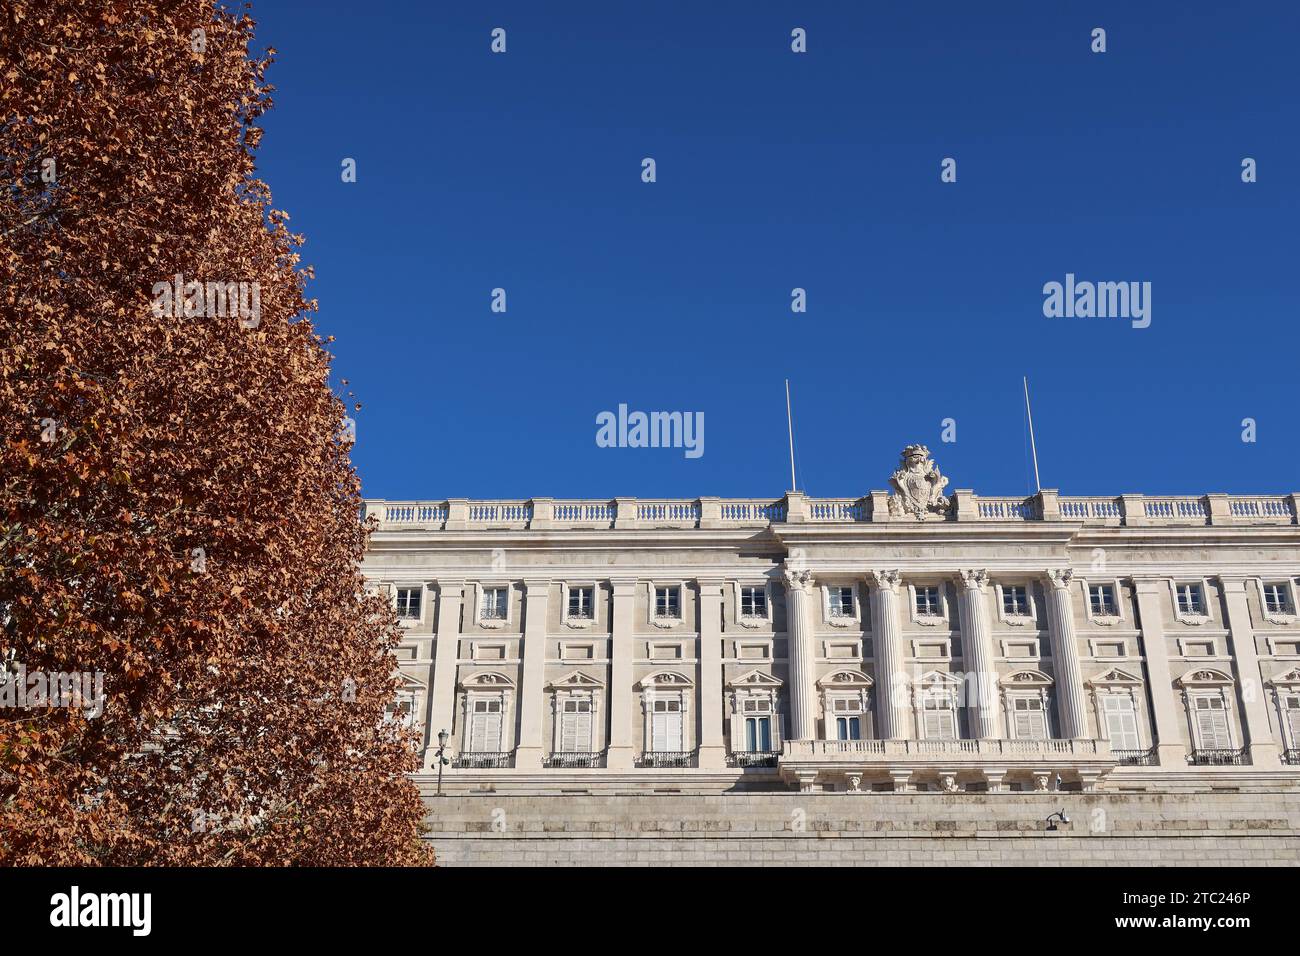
point(815, 829)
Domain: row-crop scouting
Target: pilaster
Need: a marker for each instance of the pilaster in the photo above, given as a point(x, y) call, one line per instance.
point(712, 748)
point(528, 752)
point(1151, 595)
point(621, 741)
point(1250, 686)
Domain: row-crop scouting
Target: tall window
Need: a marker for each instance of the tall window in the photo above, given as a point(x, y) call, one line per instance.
point(847, 713)
point(1276, 599)
point(1030, 719)
point(753, 602)
point(408, 604)
point(668, 603)
point(494, 604)
point(841, 600)
point(1211, 723)
point(758, 723)
point(939, 717)
point(1102, 598)
point(1015, 600)
point(1291, 717)
point(575, 725)
point(927, 601)
point(582, 603)
point(485, 726)
point(1121, 721)
point(666, 726)
point(1191, 600)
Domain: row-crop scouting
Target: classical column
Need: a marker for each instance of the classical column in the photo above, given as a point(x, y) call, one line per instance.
point(891, 675)
point(1250, 681)
point(528, 752)
point(977, 656)
point(1065, 655)
point(713, 751)
point(446, 648)
point(622, 647)
point(1166, 715)
point(799, 655)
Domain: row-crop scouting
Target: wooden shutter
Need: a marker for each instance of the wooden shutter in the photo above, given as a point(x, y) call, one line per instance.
point(1121, 722)
point(666, 734)
point(1029, 719)
point(1212, 723)
point(1293, 719)
point(939, 724)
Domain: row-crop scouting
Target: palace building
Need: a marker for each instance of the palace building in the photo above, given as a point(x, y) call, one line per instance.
point(916, 639)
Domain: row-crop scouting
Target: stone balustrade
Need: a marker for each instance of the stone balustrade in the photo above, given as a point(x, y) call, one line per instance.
point(460, 514)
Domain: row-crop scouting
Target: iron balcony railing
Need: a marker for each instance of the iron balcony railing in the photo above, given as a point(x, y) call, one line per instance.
point(753, 758)
point(483, 760)
point(667, 758)
point(1291, 755)
point(1220, 758)
point(1135, 758)
point(575, 759)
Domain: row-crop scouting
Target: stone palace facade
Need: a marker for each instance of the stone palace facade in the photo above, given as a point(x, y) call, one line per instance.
point(911, 639)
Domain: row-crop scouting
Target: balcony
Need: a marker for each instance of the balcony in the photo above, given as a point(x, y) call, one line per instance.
point(483, 760)
point(1135, 758)
point(1291, 756)
point(1219, 758)
point(664, 759)
point(1082, 760)
point(575, 760)
point(754, 758)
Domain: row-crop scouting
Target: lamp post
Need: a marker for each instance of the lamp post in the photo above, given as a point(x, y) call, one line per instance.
point(442, 761)
point(1058, 815)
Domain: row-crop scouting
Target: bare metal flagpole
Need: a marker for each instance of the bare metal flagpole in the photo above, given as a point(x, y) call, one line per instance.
point(789, 423)
point(1033, 447)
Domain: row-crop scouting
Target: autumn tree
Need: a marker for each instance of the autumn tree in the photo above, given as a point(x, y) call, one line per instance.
point(178, 511)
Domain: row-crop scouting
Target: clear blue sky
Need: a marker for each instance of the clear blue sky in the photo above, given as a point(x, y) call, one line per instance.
point(776, 171)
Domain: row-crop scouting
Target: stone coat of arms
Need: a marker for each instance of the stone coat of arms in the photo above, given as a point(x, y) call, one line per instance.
point(918, 485)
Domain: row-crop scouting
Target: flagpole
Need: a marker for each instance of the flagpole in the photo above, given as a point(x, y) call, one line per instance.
point(1032, 446)
point(789, 424)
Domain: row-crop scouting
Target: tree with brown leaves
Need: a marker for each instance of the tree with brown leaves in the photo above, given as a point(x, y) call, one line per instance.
point(194, 672)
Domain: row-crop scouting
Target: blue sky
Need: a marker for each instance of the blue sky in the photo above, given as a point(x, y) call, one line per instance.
point(779, 170)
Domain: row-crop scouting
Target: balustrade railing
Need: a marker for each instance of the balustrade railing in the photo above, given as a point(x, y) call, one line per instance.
point(753, 758)
point(710, 513)
point(1220, 758)
point(483, 760)
point(574, 760)
point(1135, 758)
point(1291, 755)
point(667, 758)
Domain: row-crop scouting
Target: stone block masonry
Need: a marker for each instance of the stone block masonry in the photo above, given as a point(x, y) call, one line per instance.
point(877, 829)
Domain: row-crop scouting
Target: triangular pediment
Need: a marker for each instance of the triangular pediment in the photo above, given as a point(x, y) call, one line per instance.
point(1116, 675)
point(754, 678)
point(575, 680)
point(938, 679)
point(407, 682)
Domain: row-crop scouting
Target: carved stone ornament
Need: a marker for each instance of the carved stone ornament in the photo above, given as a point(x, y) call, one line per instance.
point(1060, 577)
point(918, 485)
point(948, 782)
point(888, 580)
point(974, 579)
point(798, 579)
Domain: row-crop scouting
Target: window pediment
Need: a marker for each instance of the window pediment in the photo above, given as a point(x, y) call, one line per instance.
point(575, 680)
point(845, 679)
point(755, 679)
point(1026, 677)
point(1114, 677)
point(488, 680)
point(1286, 679)
point(665, 679)
point(1205, 677)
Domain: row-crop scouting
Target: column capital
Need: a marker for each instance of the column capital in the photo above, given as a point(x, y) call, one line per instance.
point(974, 579)
point(448, 584)
point(1233, 582)
point(1060, 578)
point(535, 584)
point(797, 578)
point(1150, 585)
point(623, 586)
point(887, 580)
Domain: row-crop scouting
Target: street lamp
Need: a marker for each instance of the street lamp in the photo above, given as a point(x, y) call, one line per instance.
point(442, 761)
point(1058, 815)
